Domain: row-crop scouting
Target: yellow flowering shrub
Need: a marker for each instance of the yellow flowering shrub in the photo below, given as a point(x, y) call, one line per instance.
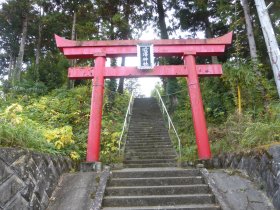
point(60, 136)
point(11, 114)
point(74, 155)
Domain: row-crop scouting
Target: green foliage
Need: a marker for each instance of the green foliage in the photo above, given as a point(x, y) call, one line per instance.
point(228, 131)
point(258, 133)
point(242, 132)
point(52, 71)
point(58, 122)
point(112, 122)
point(18, 131)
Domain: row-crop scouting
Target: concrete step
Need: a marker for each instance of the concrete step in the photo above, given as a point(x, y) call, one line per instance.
point(146, 125)
point(146, 116)
point(147, 132)
point(151, 165)
point(177, 207)
point(169, 172)
point(144, 146)
point(148, 153)
point(139, 150)
point(156, 181)
point(158, 200)
point(147, 157)
point(149, 137)
point(156, 146)
point(150, 161)
point(149, 127)
point(147, 141)
point(157, 190)
point(131, 143)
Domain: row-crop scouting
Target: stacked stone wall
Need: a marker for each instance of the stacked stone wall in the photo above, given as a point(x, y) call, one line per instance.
point(262, 166)
point(27, 178)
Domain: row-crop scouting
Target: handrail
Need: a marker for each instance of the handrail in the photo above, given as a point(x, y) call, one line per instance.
point(126, 119)
point(170, 123)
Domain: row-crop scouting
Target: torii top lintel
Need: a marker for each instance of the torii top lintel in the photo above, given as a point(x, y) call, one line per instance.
point(165, 47)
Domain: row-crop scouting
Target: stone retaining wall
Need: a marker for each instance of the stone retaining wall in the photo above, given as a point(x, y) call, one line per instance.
point(27, 179)
point(263, 166)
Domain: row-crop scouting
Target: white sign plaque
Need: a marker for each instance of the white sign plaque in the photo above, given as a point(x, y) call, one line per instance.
point(145, 56)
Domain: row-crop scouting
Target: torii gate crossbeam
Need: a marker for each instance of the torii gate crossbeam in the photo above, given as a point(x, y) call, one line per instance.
point(188, 49)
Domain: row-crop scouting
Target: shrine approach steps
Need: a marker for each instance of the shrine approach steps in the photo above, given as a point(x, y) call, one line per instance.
point(150, 178)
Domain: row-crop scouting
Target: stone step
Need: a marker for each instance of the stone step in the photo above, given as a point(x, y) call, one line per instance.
point(148, 132)
point(177, 207)
point(157, 146)
point(155, 122)
point(156, 181)
point(150, 161)
point(161, 146)
point(151, 165)
point(136, 124)
point(147, 157)
point(154, 200)
point(164, 172)
point(147, 140)
point(139, 150)
point(157, 190)
point(145, 131)
point(148, 137)
point(145, 154)
point(146, 125)
point(132, 143)
point(139, 122)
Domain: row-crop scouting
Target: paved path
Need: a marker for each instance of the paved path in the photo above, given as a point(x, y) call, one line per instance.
point(233, 190)
point(237, 192)
point(75, 191)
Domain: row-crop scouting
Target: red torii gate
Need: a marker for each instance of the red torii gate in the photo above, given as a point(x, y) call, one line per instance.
point(188, 49)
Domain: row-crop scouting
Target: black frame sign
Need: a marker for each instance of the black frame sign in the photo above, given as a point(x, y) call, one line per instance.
point(145, 56)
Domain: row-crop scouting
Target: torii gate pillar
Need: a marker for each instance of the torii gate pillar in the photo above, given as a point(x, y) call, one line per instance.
point(199, 121)
point(94, 131)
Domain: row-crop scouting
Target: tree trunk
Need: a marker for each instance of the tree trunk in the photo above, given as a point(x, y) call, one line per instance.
point(164, 35)
point(70, 83)
point(12, 66)
point(250, 33)
point(38, 52)
point(161, 20)
point(209, 34)
point(17, 71)
point(121, 82)
point(253, 49)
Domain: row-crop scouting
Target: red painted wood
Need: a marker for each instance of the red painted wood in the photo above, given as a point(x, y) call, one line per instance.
point(158, 71)
point(64, 43)
point(118, 48)
point(89, 52)
point(94, 131)
point(199, 121)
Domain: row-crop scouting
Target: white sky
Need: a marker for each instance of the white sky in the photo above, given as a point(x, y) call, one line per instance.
point(146, 84)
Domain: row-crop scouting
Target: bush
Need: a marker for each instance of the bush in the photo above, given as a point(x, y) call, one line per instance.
point(58, 123)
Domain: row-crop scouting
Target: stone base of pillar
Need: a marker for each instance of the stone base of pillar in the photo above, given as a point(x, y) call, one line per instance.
point(91, 167)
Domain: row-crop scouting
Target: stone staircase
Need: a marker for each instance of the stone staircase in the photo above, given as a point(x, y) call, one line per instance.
point(158, 188)
point(150, 179)
point(148, 143)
